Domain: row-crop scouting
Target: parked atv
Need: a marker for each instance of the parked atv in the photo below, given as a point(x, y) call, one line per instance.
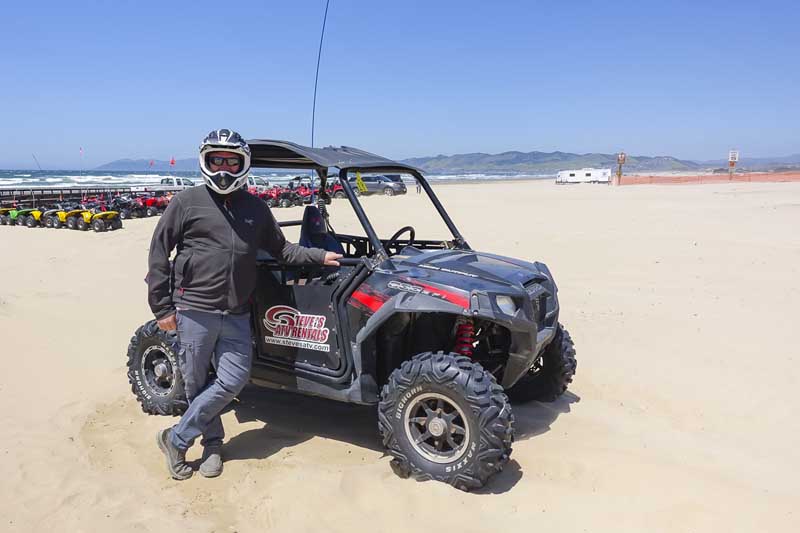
point(5, 215)
point(20, 217)
point(433, 332)
point(83, 219)
point(271, 196)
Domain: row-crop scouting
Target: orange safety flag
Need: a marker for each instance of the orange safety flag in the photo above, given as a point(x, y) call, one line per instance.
point(172, 162)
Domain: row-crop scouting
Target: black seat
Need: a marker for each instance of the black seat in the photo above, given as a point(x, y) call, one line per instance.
point(314, 233)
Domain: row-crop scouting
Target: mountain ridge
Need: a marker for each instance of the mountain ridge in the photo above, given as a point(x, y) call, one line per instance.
point(516, 162)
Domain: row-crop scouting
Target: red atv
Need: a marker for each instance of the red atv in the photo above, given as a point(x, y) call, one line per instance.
point(271, 196)
point(151, 205)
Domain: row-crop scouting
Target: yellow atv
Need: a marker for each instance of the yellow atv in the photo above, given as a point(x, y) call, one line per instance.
point(5, 219)
point(83, 219)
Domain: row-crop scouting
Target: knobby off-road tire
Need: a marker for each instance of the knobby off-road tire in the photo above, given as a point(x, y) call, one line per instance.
point(388, 191)
point(99, 225)
point(116, 223)
point(476, 425)
point(285, 203)
point(153, 371)
point(339, 194)
point(31, 222)
point(81, 224)
point(548, 381)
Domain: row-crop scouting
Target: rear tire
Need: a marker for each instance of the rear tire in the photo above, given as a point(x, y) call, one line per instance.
point(151, 211)
point(271, 202)
point(99, 225)
point(31, 222)
point(388, 191)
point(81, 224)
point(21, 220)
point(56, 222)
point(72, 222)
point(549, 380)
point(3, 220)
point(448, 395)
point(154, 372)
point(285, 203)
point(339, 194)
point(116, 223)
point(123, 214)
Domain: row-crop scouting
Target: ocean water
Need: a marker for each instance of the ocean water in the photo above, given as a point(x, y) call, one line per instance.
point(91, 178)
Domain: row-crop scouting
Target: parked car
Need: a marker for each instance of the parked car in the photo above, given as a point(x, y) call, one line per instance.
point(256, 186)
point(379, 185)
point(181, 183)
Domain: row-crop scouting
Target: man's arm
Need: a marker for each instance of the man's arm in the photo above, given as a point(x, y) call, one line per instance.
point(273, 241)
point(166, 236)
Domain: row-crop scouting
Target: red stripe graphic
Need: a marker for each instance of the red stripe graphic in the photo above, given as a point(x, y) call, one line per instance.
point(372, 302)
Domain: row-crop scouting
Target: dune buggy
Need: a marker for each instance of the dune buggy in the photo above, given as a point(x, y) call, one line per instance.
point(433, 332)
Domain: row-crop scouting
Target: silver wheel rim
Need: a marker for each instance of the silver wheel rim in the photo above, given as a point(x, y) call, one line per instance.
point(157, 370)
point(437, 428)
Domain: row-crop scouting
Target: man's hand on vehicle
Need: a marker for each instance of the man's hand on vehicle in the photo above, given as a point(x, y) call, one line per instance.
point(331, 259)
point(168, 323)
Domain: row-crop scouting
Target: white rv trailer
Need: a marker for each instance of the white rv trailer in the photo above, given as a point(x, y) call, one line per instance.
point(584, 175)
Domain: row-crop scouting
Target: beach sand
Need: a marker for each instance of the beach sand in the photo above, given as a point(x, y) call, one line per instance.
point(682, 302)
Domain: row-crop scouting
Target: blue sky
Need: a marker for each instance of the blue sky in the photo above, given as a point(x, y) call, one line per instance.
point(412, 78)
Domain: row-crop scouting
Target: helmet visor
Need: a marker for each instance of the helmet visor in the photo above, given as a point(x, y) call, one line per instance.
point(216, 162)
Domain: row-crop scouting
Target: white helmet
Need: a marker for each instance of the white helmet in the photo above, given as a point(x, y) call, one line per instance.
point(224, 140)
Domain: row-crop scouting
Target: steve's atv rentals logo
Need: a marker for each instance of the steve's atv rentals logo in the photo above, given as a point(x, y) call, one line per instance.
point(290, 327)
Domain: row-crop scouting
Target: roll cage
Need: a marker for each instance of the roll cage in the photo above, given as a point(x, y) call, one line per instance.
point(288, 155)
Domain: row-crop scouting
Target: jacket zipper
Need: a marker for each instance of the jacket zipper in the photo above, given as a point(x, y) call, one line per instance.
point(229, 210)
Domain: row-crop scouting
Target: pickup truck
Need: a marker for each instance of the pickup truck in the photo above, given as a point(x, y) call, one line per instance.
point(179, 183)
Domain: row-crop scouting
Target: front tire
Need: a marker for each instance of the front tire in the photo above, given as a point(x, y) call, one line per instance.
point(444, 417)
point(154, 372)
point(388, 191)
point(548, 379)
point(99, 225)
point(81, 224)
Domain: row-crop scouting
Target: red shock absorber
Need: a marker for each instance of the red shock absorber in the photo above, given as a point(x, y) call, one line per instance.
point(465, 337)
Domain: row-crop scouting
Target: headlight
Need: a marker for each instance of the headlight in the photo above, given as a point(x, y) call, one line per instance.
point(506, 304)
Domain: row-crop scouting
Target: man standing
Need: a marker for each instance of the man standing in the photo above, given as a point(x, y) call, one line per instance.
point(217, 229)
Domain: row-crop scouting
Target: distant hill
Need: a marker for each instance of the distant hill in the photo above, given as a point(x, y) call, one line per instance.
point(515, 162)
point(143, 165)
point(543, 162)
point(787, 162)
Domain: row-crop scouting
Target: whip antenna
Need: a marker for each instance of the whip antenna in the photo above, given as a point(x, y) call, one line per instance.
point(316, 76)
point(37, 162)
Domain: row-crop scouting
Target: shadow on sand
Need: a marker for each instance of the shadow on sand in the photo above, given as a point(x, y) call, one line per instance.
point(290, 419)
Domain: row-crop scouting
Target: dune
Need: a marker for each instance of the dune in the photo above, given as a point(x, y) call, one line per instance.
point(682, 302)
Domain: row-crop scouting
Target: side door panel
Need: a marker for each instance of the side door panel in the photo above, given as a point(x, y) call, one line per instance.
point(294, 322)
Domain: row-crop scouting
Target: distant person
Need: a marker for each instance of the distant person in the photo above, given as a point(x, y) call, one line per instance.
point(204, 294)
point(419, 187)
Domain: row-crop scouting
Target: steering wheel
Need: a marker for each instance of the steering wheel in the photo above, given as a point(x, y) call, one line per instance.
point(392, 242)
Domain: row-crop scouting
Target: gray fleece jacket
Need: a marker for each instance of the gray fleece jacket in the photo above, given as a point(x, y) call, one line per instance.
point(217, 238)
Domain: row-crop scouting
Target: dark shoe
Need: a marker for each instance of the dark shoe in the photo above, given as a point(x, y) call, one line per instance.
point(212, 461)
point(176, 458)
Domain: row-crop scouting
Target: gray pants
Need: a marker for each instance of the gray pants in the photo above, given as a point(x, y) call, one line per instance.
point(207, 339)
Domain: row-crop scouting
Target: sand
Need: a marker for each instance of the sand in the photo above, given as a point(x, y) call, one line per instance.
point(682, 302)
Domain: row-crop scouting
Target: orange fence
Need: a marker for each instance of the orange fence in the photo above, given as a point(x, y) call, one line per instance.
point(761, 177)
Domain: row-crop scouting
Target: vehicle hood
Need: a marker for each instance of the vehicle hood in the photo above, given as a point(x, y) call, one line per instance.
point(468, 270)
